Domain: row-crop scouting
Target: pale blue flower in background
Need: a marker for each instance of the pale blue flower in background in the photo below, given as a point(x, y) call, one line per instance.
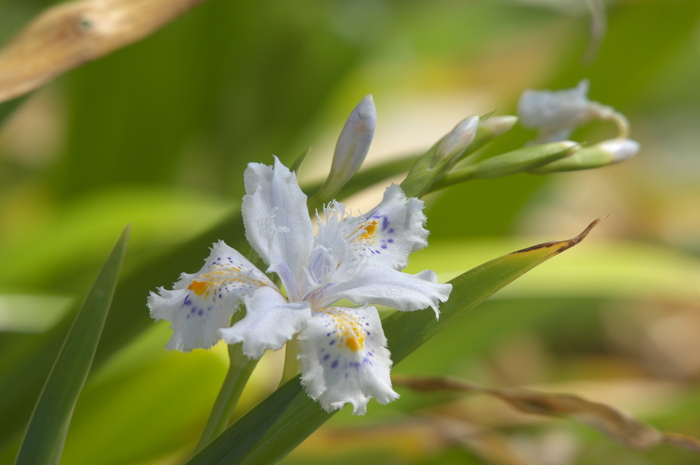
point(343, 351)
point(557, 113)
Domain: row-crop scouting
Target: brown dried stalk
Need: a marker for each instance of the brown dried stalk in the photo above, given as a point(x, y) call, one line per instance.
point(70, 34)
point(613, 422)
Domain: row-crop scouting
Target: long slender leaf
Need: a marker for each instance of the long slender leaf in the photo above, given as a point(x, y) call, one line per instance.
point(277, 425)
point(46, 433)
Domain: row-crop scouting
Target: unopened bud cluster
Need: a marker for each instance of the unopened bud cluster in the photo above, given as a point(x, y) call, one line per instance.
point(457, 157)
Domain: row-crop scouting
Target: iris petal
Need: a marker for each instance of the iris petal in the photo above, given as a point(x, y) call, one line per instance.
point(277, 222)
point(386, 286)
point(203, 302)
point(391, 230)
point(344, 359)
point(269, 323)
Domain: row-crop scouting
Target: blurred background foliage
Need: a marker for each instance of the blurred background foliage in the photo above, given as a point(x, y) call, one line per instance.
point(157, 135)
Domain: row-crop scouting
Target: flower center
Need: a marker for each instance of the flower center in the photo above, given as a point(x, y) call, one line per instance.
point(349, 332)
point(369, 230)
point(198, 287)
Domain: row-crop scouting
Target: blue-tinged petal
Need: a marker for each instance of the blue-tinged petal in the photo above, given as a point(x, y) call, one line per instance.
point(557, 113)
point(277, 222)
point(386, 286)
point(203, 302)
point(391, 231)
point(270, 321)
point(344, 359)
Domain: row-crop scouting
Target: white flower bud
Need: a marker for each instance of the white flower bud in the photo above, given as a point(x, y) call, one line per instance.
point(457, 140)
point(350, 150)
point(354, 141)
point(604, 153)
point(499, 124)
point(619, 149)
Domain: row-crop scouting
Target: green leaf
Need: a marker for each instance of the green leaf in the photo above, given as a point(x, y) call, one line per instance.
point(277, 425)
point(48, 426)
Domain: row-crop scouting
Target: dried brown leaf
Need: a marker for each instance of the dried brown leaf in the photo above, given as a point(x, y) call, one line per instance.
point(682, 441)
point(70, 34)
point(561, 246)
point(616, 424)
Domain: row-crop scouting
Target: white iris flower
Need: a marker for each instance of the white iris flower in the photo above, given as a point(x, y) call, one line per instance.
point(557, 113)
point(343, 351)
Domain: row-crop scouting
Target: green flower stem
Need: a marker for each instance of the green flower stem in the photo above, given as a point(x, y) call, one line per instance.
point(291, 362)
point(239, 371)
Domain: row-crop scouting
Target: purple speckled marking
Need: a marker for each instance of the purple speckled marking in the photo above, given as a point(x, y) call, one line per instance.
point(326, 357)
point(334, 364)
point(332, 342)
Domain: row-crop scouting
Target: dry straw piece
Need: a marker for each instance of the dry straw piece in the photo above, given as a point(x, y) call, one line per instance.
point(613, 422)
point(70, 34)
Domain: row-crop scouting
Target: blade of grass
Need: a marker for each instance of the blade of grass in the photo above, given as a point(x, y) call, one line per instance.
point(282, 421)
point(46, 433)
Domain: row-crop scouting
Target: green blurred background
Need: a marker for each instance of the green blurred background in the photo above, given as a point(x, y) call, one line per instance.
point(157, 135)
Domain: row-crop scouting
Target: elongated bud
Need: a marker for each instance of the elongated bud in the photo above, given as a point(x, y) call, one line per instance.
point(498, 125)
point(489, 129)
point(619, 149)
point(354, 141)
point(524, 159)
point(350, 150)
point(604, 153)
point(456, 141)
point(517, 161)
